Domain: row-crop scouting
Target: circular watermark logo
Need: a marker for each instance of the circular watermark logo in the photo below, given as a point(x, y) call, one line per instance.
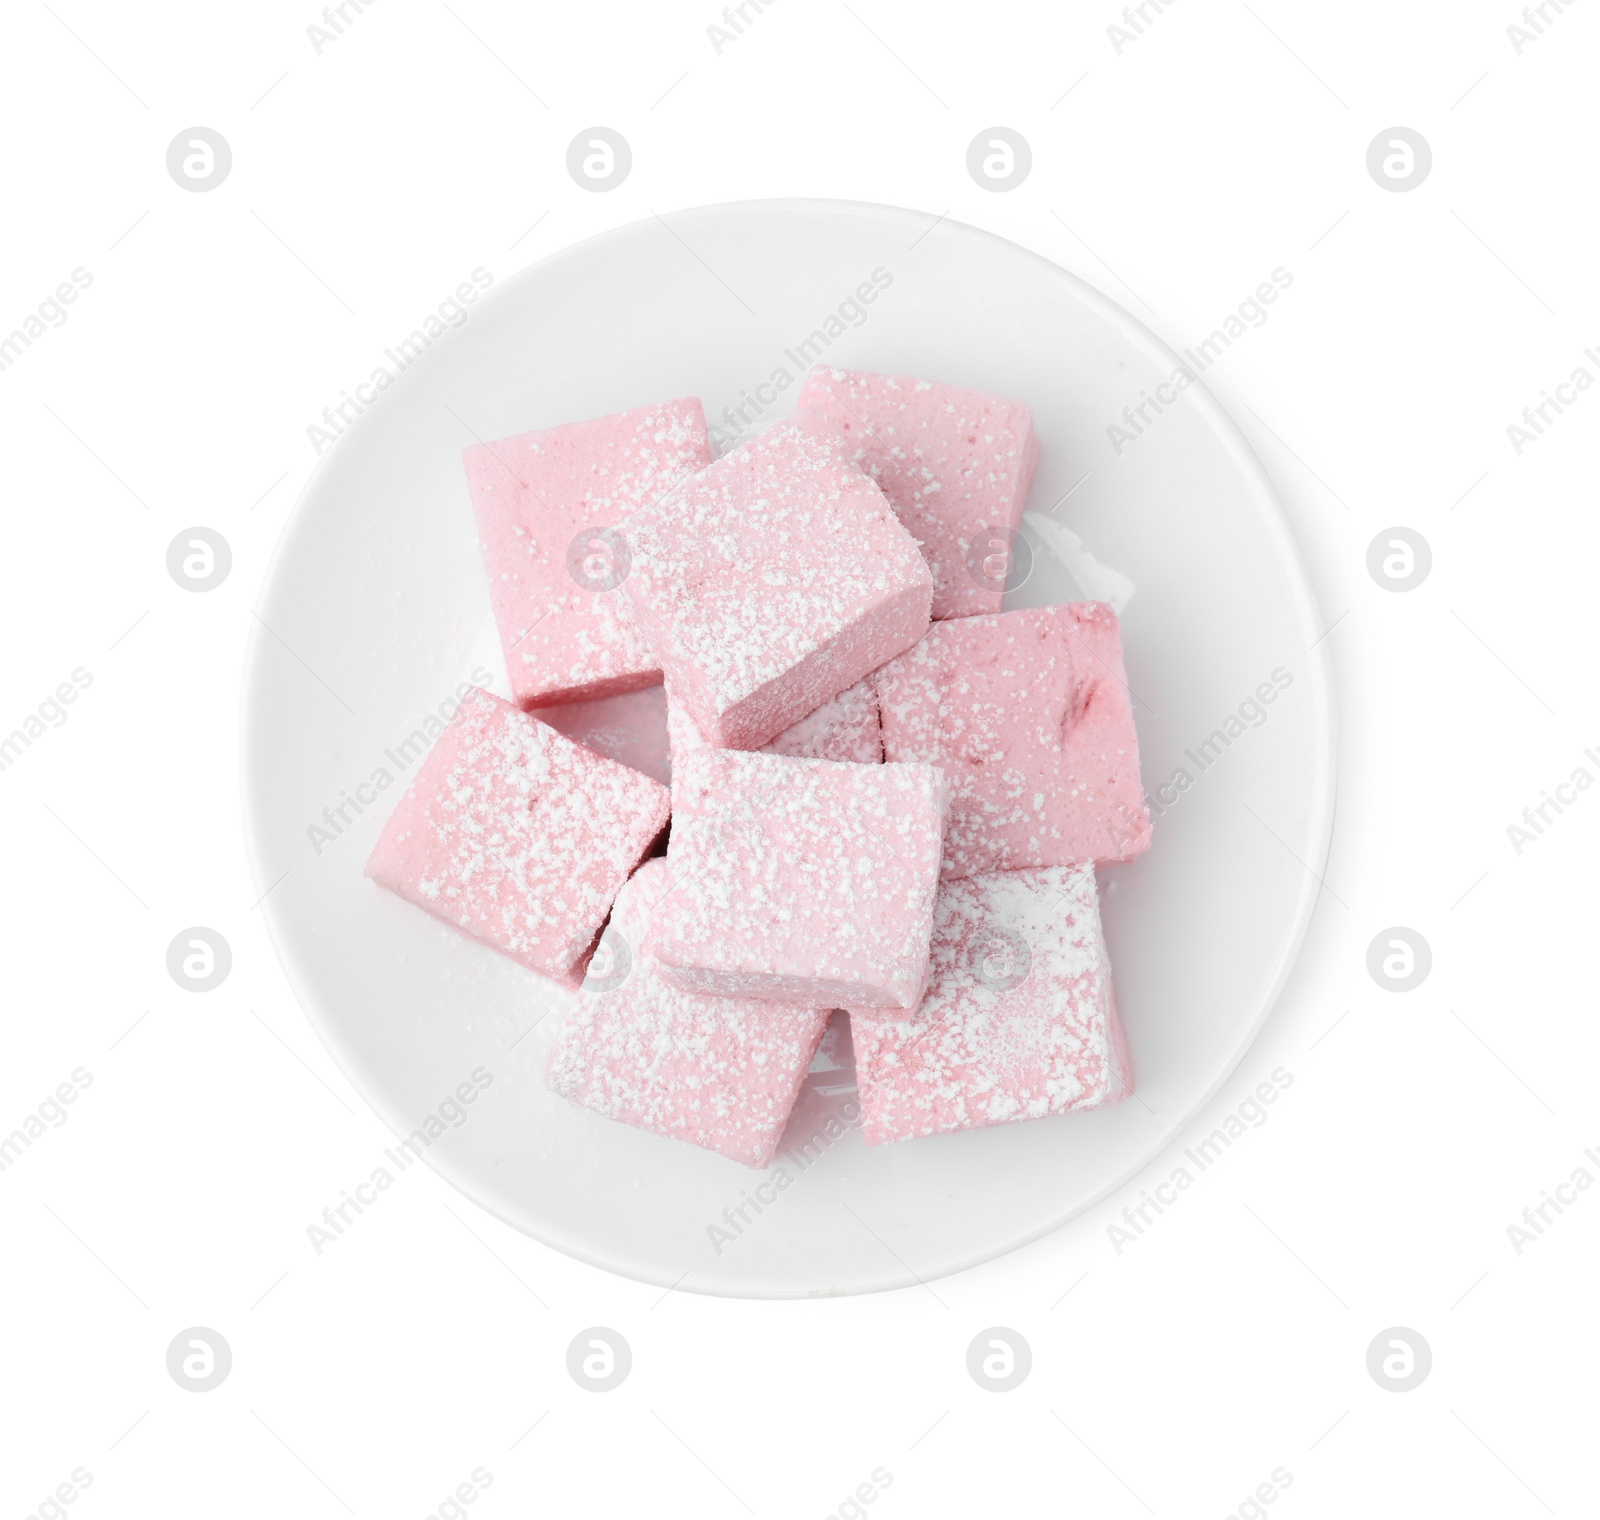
point(199, 158)
point(999, 1359)
point(599, 559)
point(1399, 1359)
point(1399, 959)
point(599, 158)
point(1399, 158)
point(999, 158)
point(199, 1359)
point(1399, 559)
point(599, 1359)
point(1001, 958)
point(199, 559)
point(1000, 559)
point(610, 964)
point(199, 959)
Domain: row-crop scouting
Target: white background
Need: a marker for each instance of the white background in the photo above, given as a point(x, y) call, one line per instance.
point(1230, 1339)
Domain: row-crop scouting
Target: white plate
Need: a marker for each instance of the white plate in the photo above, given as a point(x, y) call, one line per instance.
point(377, 607)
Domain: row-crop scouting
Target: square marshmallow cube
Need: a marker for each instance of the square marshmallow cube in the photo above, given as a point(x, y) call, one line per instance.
point(517, 836)
point(722, 1073)
point(955, 464)
point(630, 728)
point(806, 881)
point(640, 729)
point(845, 727)
point(1027, 713)
point(547, 503)
point(771, 582)
point(1018, 1021)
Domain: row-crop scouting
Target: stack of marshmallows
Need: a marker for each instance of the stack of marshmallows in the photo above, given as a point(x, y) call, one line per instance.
point(885, 795)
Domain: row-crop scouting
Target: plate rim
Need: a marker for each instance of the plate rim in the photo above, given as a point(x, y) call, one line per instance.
point(1324, 792)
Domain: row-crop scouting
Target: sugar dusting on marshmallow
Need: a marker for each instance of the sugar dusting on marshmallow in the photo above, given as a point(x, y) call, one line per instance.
point(1030, 716)
point(955, 464)
point(518, 836)
point(801, 880)
point(1018, 1021)
point(721, 1073)
point(772, 581)
point(566, 630)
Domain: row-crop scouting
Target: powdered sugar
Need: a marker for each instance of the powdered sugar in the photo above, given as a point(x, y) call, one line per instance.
point(1018, 1021)
point(845, 727)
point(1028, 713)
point(718, 1072)
point(517, 836)
point(806, 880)
point(535, 495)
point(955, 464)
point(772, 581)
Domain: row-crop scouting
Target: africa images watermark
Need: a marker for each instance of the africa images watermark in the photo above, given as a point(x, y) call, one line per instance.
point(1253, 712)
point(1552, 1204)
point(1153, 1202)
point(1536, 21)
point(50, 312)
point(1554, 801)
point(735, 21)
point(1268, 1491)
point(868, 1491)
point(785, 1171)
point(451, 1113)
point(50, 1114)
point(1136, 20)
point(1538, 419)
point(69, 1491)
point(1139, 416)
point(401, 755)
point(468, 1491)
point(50, 713)
point(335, 21)
point(753, 404)
point(453, 311)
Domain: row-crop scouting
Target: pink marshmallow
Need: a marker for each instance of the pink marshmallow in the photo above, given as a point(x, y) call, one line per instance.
point(630, 728)
point(547, 503)
point(805, 881)
point(1018, 1021)
point(683, 738)
point(722, 1073)
point(771, 582)
point(955, 464)
point(845, 727)
point(1028, 714)
point(517, 836)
